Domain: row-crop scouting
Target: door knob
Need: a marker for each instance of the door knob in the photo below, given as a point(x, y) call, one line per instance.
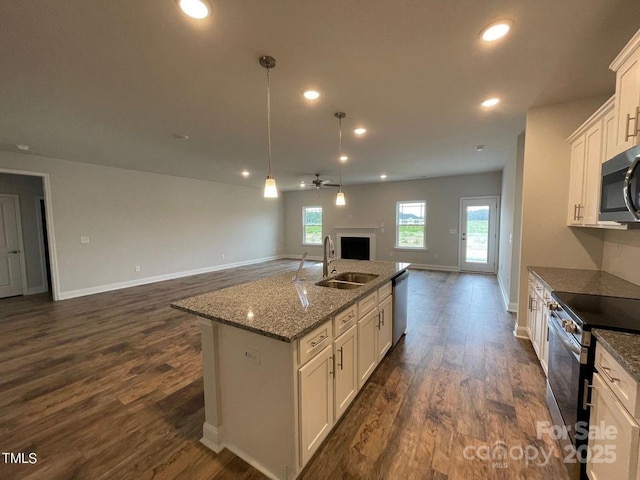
point(15, 251)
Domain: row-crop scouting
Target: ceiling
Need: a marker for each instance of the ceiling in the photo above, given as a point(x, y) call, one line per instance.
point(110, 82)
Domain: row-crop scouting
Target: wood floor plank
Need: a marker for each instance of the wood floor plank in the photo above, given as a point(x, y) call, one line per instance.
point(110, 386)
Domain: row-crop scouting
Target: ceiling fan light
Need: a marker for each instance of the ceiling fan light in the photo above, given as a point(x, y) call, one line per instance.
point(270, 190)
point(340, 200)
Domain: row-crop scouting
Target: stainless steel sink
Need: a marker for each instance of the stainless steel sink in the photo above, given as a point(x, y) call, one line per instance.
point(339, 284)
point(347, 280)
point(355, 277)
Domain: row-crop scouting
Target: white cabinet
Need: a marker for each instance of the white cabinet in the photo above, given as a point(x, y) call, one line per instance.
point(627, 68)
point(367, 354)
point(385, 327)
point(346, 371)
point(316, 401)
point(588, 151)
point(538, 309)
point(615, 411)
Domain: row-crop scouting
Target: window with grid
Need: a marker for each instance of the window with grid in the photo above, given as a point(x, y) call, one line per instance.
point(410, 224)
point(312, 225)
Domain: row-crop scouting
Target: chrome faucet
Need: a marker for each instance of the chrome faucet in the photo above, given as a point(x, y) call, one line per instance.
point(328, 256)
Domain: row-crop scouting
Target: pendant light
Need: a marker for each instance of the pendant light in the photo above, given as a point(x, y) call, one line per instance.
point(340, 200)
point(270, 190)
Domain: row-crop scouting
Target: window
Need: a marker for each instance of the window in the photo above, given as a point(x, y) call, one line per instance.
point(312, 225)
point(410, 224)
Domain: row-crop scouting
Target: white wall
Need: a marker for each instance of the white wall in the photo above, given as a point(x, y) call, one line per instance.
point(375, 205)
point(28, 190)
point(510, 225)
point(546, 239)
point(621, 254)
point(167, 225)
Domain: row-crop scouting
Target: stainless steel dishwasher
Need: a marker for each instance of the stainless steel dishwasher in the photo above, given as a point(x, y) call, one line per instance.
point(400, 298)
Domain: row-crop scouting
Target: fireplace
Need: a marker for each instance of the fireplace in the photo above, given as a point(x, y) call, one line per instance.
point(356, 246)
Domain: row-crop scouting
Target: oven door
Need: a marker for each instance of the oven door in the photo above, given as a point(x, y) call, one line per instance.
point(564, 373)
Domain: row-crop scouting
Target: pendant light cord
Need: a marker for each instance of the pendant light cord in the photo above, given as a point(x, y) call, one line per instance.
point(340, 151)
point(269, 120)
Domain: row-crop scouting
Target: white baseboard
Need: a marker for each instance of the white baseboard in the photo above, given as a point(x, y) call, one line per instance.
point(440, 268)
point(521, 332)
point(161, 278)
point(512, 307)
point(36, 290)
point(211, 437)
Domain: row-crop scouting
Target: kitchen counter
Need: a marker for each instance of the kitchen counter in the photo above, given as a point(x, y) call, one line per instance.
point(624, 347)
point(591, 282)
point(274, 306)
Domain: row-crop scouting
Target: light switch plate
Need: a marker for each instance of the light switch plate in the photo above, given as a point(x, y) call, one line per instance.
point(84, 239)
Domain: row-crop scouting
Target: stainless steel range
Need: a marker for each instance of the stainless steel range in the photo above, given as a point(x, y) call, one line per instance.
point(571, 360)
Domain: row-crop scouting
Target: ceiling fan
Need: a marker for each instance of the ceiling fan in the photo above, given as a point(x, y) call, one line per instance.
point(320, 183)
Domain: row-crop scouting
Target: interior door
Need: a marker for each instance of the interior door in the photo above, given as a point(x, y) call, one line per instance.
point(10, 255)
point(478, 234)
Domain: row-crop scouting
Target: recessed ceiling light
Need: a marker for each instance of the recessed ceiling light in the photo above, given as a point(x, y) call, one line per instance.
point(181, 136)
point(360, 131)
point(383, 176)
point(245, 173)
point(311, 94)
point(490, 102)
point(195, 8)
point(496, 30)
point(302, 184)
point(344, 158)
point(22, 147)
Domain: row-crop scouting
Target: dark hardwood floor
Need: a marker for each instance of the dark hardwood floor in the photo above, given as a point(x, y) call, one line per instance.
point(109, 387)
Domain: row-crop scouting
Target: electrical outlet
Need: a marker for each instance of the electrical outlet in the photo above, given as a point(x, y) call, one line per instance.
point(138, 268)
point(222, 256)
point(84, 239)
point(251, 356)
point(435, 256)
point(453, 231)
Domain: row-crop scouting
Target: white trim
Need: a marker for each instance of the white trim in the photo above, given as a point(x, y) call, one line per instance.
point(626, 52)
point(304, 226)
point(43, 267)
point(441, 268)
point(53, 256)
point(211, 437)
point(521, 332)
point(512, 307)
point(18, 217)
point(424, 226)
point(370, 236)
point(159, 278)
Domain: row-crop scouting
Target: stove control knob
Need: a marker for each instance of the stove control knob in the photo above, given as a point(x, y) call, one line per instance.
point(570, 326)
point(554, 306)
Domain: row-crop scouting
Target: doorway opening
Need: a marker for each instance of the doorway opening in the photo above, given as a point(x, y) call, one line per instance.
point(478, 234)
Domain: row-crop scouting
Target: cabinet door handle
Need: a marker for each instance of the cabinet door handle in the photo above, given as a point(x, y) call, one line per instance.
point(605, 372)
point(580, 207)
point(320, 340)
point(378, 321)
point(340, 364)
point(634, 132)
point(332, 372)
point(575, 211)
point(382, 317)
point(585, 395)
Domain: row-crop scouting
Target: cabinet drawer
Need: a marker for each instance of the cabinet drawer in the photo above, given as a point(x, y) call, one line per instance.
point(384, 291)
point(314, 341)
point(619, 381)
point(344, 320)
point(367, 304)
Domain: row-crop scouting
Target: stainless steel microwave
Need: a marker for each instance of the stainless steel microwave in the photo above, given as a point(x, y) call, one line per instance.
point(620, 194)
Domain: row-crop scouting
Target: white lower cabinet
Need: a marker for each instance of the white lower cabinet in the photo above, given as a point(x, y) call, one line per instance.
point(346, 371)
point(367, 350)
point(385, 327)
point(316, 402)
point(614, 451)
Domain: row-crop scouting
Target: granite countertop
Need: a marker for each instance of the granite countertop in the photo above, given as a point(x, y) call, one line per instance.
point(624, 347)
point(591, 282)
point(274, 306)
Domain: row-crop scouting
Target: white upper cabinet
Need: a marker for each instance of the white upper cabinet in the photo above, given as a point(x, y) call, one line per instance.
point(627, 98)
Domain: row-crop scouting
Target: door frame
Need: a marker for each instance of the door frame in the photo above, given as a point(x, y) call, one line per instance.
point(23, 265)
point(51, 238)
point(496, 226)
point(41, 240)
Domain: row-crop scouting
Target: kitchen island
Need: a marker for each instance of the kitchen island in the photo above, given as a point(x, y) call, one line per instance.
point(283, 360)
